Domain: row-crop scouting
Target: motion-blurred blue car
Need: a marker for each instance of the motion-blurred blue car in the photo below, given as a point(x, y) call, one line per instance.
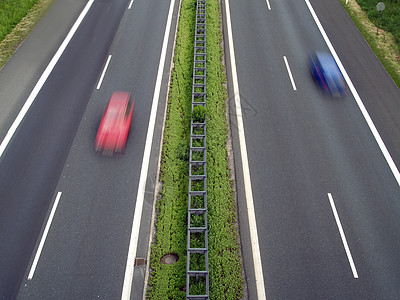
point(326, 73)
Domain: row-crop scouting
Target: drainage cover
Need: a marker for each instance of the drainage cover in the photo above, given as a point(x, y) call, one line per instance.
point(169, 259)
point(140, 262)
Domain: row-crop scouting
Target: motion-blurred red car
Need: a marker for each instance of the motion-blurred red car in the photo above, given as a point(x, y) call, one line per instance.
point(115, 123)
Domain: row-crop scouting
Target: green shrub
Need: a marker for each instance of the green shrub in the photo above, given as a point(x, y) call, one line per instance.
point(199, 114)
point(226, 281)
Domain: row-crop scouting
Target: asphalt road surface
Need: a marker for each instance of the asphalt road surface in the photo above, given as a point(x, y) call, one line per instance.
point(51, 155)
point(316, 169)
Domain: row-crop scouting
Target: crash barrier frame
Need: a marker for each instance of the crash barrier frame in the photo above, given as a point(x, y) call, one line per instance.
point(197, 232)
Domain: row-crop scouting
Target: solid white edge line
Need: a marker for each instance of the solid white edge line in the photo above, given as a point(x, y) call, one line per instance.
point(269, 6)
point(360, 104)
point(290, 73)
point(130, 264)
point(44, 236)
point(104, 72)
point(343, 236)
point(43, 79)
point(259, 277)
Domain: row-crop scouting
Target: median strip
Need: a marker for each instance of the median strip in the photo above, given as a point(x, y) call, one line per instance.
point(168, 281)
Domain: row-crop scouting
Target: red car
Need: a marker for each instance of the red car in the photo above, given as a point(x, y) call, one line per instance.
point(115, 123)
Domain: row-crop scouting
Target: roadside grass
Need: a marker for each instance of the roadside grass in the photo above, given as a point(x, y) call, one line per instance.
point(226, 280)
point(384, 43)
point(17, 19)
point(390, 16)
point(11, 12)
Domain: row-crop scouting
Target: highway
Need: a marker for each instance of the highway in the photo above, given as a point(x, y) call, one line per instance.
point(326, 203)
point(50, 171)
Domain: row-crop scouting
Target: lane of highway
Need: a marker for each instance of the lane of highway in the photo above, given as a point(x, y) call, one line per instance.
point(32, 163)
point(379, 93)
point(85, 253)
point(304, 146)
point(23, 70)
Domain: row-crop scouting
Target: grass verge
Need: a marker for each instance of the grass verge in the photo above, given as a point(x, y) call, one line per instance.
point(390, 16)
point(169, 281)
point(383, 44)
point(17, 19)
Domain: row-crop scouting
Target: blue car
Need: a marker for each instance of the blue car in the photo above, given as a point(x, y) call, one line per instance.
point(326, 73)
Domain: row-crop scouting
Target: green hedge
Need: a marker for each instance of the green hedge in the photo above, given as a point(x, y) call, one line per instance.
point(169, 281)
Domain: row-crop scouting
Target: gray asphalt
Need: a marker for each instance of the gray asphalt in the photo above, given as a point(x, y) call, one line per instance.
point(20, 74)
point(303, 145)
point(86, 249)
point(32, 163)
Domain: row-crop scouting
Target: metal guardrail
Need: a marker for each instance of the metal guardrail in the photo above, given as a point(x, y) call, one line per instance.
point(197, 273)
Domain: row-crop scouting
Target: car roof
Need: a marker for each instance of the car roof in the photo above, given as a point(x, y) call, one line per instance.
point(119, 98)
point(326, 60)
point(116, 107)
point(328, 63)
